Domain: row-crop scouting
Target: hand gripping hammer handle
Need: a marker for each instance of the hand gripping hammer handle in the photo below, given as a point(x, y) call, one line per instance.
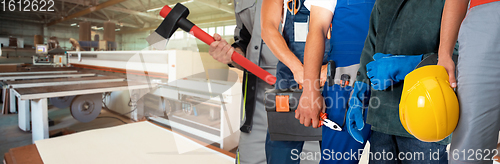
point(236, 57)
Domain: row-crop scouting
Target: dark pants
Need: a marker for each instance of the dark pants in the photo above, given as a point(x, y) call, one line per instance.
point(389, 149)
point(283, 152)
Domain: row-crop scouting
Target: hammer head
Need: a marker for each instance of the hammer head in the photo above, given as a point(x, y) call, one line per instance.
point(168, 26)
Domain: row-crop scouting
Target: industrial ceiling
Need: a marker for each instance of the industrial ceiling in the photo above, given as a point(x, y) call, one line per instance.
point(129, 15)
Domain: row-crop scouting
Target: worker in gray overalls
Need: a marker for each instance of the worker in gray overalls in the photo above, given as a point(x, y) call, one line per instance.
point(248, 42)
point(477, 29)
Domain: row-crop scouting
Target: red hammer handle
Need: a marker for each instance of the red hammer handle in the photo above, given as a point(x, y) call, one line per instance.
point(236, 57)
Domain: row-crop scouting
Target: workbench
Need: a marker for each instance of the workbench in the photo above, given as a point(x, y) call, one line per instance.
point(39, 95)
point(36, 73)
point(192, 82)
point(23, 105)
point(43, 76)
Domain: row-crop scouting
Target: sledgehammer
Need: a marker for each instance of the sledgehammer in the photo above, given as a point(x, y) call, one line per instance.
point(177, 18)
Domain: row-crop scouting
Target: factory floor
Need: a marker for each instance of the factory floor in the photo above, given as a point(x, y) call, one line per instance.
point(11, 136)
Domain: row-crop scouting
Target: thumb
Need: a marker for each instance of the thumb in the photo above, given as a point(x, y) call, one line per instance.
point(451, 78)
point(378, 56)
point(217, 37)
point(360, 124)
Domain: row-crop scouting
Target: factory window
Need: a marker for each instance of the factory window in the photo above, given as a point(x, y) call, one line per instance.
point(211, 30)
point(220, 30)
point(179, 35)
point(229, 30)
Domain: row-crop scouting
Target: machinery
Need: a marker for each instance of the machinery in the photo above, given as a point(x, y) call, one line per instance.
point(192, 92)
point(46, 56)
point(188, 91)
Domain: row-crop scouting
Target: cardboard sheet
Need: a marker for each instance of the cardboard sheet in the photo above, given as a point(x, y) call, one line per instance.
point(141, 142)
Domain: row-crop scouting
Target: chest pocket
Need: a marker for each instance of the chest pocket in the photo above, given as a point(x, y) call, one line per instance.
point(353, 2)
point(245, 9)
point(298, 14)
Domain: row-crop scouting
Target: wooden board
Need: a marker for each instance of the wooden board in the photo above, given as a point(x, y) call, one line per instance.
point(45, 68)
point(20, 74)
point(44, 76)
point(76, 89)
point(38, 69)
point(61, 81)
point(140, 142)
point(36, 72)
point(8, 67)
point(7, 158)
point(33, 153)
point(25, 155)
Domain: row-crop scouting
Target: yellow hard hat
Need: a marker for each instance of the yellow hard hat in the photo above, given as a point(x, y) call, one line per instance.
point(429, 107)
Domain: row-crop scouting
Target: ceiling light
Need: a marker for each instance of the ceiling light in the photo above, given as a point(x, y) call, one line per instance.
point(187, 2)
point(74, 24)
point(150, 10)
point(159, 8)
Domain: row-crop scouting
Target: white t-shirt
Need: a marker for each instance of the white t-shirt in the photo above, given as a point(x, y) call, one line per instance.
point(327, 4)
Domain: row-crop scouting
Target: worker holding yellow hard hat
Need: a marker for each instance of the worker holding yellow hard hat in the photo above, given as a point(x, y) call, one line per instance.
point(475, 24)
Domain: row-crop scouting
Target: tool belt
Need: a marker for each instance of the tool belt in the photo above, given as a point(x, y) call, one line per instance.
point(282, 124)
point(281, 105)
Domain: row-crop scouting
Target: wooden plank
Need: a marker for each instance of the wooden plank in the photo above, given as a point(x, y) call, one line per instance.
point(8, 67)
point(12, 74)
point(7, 158)
point(31, 154)
point(45, 68)
point(25, 155)
point(77, 89)
point(141, 139)
point(61, 81)
point(35, 72)
point(38, 69)
point(44, 76)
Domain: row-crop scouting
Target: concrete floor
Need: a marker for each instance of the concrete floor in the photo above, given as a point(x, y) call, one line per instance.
point(11, 136)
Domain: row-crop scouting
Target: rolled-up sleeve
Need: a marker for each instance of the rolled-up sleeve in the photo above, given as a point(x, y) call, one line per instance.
point(327, 4)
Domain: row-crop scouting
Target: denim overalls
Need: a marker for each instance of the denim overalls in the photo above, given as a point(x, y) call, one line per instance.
point(348, 33)
point(295, 31)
